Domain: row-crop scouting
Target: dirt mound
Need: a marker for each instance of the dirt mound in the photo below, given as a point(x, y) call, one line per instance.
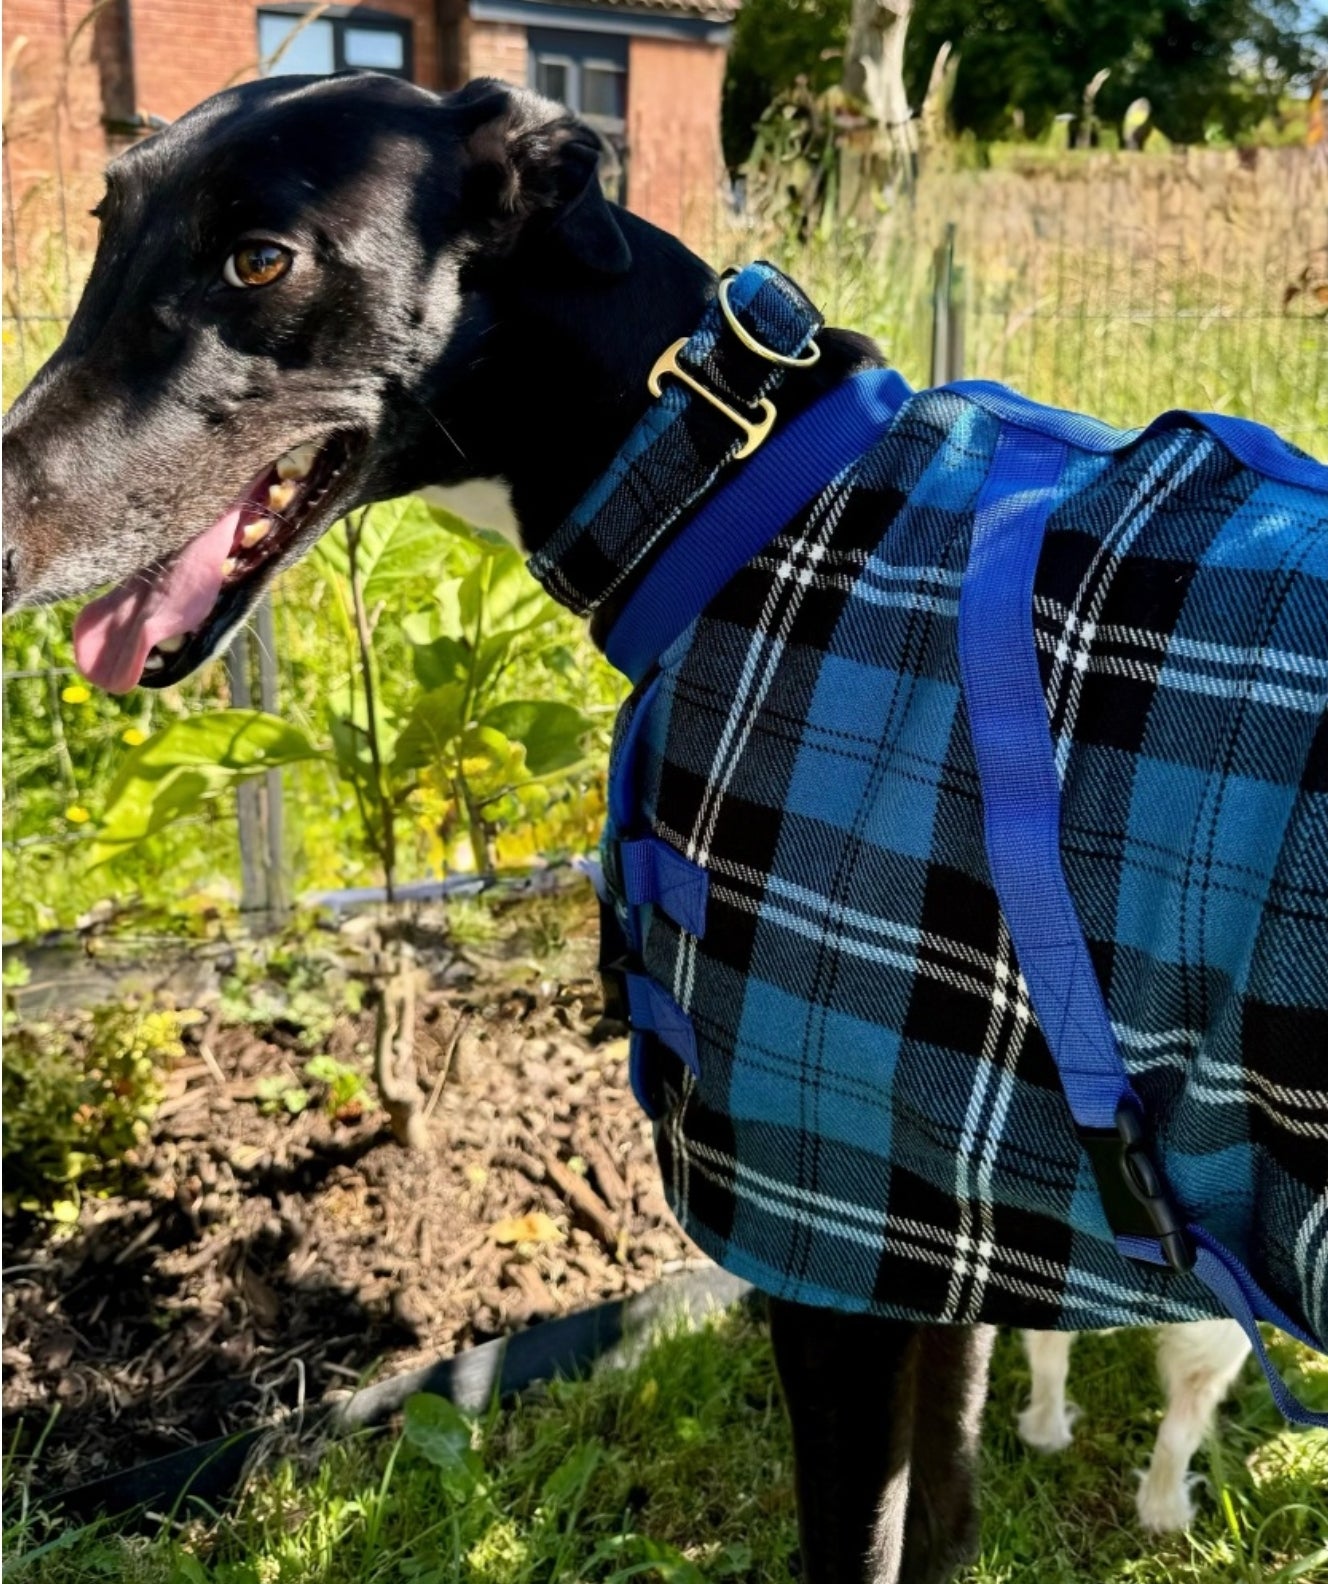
point(267, 1257)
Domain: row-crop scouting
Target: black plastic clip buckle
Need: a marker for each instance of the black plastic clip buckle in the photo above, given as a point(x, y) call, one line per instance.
point(1133, 1192)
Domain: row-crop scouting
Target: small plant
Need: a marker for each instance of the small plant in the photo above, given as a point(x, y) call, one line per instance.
point(294, 982)
point(346, 1086)
point(79, 1095)
point(276, 1095)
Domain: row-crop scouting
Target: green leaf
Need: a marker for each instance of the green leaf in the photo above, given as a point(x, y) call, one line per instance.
point(431, 728)
point(568, 1480)
point(191, 761)
point(402, 540)
point(437, 1429)
point(489, 661)
point(186, 1569)
point(499, 595)
point(442, 661)
point(441, 618)
point(440, 1433)
point(490, 761)
point(229, 739)
point(399, 541)
point(550, 732)
point(638, 1554)
point(486, 540)
point(350, 744)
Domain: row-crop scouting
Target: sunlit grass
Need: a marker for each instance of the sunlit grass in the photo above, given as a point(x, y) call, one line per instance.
point(679, 1468)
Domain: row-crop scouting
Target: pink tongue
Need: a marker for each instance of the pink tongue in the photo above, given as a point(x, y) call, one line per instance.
point(112, 635)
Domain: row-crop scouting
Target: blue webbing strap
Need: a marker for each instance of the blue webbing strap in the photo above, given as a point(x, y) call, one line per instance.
point(737, 523)
point(654, 873)
point(654, 1011)
point(1021, 803)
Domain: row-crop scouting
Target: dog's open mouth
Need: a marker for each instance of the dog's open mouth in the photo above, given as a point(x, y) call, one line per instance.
point(159, 624)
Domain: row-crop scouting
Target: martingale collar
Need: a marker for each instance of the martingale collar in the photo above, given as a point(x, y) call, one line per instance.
point(713, 407)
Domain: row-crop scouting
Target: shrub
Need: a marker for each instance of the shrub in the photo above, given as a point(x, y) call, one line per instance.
point(79, 1095)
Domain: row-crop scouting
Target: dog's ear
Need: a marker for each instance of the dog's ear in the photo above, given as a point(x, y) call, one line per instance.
point(532, 169)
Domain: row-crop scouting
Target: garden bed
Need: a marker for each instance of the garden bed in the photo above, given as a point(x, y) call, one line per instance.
point(265, 1258)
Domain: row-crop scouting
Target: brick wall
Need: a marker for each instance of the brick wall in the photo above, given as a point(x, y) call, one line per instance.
point(496, 49)
point(54, 137)
point(675, 163)
point(64, 80)
point(185, 50)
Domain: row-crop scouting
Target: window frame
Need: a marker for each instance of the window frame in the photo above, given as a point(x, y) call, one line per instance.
point(342, 18)
point(575, 52)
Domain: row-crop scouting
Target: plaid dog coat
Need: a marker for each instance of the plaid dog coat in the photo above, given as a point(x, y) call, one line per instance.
point(845, 1056)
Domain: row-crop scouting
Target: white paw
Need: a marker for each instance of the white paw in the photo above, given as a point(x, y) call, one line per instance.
point(1045, 1430)
point(1164, 1507)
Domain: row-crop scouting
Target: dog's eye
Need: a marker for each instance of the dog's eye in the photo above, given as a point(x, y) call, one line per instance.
point(256, 264)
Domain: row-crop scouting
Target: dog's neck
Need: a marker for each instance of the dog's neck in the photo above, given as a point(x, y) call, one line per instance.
point(556, 374)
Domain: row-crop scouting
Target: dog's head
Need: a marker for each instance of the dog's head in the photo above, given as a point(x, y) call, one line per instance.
point(284, 282)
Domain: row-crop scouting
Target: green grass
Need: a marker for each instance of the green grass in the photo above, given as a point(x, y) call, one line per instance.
point(679, 1469)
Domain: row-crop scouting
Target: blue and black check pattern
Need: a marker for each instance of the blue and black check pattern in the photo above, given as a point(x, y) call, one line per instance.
point(682, 445)
point(874, 1121)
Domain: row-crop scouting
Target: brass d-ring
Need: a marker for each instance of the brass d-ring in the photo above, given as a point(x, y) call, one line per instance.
point(810, 356)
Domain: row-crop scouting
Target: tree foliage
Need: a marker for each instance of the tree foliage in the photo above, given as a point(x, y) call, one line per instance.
point(774, 43)
point(1206, 65)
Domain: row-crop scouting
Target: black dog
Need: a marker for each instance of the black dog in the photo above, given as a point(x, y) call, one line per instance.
point(312, 294)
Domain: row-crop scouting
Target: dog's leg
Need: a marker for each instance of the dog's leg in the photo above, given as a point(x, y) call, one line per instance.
point(1197, 1362)
point(1047, 1423)
point(886, 1418)
point(850, 1384)
point(941, 1531)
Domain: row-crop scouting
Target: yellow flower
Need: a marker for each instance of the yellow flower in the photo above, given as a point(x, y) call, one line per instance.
point(76, 814)
point(133, 736)
point(75, 693)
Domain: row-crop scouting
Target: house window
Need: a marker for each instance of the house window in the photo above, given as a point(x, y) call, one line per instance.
point(315, 41)
point(585, 71)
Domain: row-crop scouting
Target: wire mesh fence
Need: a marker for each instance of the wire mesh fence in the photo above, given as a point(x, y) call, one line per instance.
point(1125, 285)
point(1121, 284)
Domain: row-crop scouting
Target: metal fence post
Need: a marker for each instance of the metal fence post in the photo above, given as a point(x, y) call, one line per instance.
point(274, 809)
point(259, 805)
point(947, 311)
point(248, 808)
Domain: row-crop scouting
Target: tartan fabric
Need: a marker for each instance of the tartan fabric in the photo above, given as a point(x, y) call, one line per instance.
point(681, 444)
point(874, 1121)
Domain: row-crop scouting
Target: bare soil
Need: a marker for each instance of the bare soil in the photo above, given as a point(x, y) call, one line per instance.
point(263, 1259)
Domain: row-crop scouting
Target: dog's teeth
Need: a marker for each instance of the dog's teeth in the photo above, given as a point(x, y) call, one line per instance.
point(154, 662)
point(172, 645)
point(279, 496)
point(297, 462)
point(253, 532)
point(228, 566)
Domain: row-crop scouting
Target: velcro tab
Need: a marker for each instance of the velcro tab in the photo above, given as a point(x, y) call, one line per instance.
point(654, 1011)
point(653, 872)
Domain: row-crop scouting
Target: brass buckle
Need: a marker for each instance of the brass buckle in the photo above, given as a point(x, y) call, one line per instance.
point(753, 433)
point(810, 356)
